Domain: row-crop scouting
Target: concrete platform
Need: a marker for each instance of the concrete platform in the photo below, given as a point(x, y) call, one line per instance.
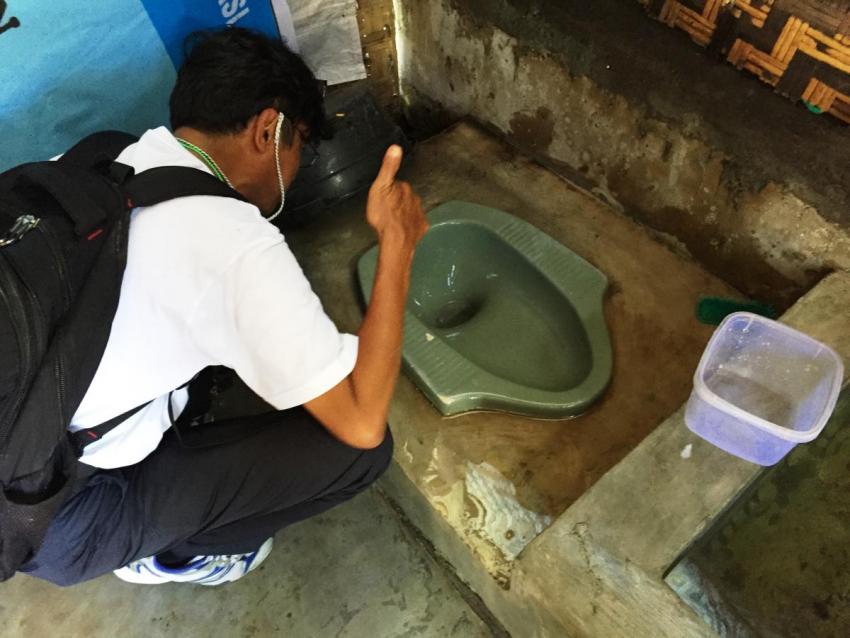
point(565, 528)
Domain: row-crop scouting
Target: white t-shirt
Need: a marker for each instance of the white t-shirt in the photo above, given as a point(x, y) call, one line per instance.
point(208, 281)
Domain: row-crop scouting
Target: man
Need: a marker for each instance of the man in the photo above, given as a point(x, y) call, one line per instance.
point(209, 281)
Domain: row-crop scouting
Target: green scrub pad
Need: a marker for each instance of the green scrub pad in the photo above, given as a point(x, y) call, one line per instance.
point(712, 310)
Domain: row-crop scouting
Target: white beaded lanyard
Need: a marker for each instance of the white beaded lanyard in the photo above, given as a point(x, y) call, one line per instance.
point(277, 166)
point(220, 174)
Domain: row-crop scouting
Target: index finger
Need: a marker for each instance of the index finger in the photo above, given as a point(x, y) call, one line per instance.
point(390, 166)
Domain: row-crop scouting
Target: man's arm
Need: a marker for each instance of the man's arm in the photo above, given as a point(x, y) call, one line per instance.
point(355, 410)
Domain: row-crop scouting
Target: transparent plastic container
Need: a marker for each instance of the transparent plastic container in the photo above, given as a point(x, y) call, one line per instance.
point(761, 388)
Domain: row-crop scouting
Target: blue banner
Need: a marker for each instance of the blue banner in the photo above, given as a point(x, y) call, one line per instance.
point(173, 20)
point(70, 68)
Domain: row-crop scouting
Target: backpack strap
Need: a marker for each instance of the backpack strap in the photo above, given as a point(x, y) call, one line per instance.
point(163, 183)
point(150, 187)
point(98, 148)
point(156, 185)
point(85, 437)
point(87, 201)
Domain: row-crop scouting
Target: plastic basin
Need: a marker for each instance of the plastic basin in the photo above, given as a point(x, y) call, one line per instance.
point(761, 388)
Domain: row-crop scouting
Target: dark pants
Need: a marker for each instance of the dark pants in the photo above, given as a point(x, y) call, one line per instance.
point(252, 477)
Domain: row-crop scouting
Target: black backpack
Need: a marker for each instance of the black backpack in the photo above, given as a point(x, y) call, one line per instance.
point(63, 246)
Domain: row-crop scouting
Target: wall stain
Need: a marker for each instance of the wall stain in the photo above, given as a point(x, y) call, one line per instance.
point(533, 131)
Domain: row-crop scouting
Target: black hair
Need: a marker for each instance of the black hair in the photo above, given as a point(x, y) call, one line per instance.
point(230, 75)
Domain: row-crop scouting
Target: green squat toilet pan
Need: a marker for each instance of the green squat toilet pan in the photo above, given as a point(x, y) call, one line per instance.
point(501, 316)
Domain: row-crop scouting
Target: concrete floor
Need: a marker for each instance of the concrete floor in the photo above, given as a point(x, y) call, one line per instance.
point(354, 571)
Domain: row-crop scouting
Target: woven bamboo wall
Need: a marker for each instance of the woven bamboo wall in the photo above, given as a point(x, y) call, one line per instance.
point(800, 47)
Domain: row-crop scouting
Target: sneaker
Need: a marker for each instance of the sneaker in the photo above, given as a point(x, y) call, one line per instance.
point(201, 570)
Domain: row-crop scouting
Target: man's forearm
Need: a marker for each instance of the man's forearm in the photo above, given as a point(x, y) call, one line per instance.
point(355, 410)
point(379, 351)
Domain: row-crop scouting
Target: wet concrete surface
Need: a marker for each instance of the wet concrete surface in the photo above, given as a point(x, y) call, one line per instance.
point(778, 564)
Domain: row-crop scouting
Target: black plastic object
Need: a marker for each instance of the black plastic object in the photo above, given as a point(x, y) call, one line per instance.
point(348, 162)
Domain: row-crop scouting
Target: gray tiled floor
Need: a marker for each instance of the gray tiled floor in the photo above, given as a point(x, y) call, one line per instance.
point(354, 571)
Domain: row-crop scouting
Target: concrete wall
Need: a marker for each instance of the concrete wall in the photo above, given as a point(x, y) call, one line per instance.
point(743, 180)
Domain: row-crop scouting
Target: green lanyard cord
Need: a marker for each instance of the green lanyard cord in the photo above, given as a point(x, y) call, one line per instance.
point(207, 159)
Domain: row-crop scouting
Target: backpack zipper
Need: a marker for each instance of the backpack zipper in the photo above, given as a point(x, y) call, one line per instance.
point(60, 387)
point(34, 315)
point(61, 266)
point(59, 260)
point(11, 285)
point(18, 313)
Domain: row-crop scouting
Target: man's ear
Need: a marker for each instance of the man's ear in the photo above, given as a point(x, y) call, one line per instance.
point(262, 130)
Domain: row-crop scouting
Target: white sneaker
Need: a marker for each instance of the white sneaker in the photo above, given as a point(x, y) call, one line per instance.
point(201, 570)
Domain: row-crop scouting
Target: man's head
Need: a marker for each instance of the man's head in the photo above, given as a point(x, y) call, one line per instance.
point(230, 90)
